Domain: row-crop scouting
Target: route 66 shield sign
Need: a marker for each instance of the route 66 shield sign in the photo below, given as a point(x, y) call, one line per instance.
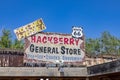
point(77, 32)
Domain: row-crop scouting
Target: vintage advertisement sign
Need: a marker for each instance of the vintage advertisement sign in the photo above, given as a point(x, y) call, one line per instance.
point(29, 29)
point(53, 47)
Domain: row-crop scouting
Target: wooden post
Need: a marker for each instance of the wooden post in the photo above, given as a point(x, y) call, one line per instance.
point(87, 78)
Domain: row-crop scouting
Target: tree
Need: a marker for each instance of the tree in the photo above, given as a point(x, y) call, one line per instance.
point(109, 43)
point(17, 44)
point(5, 39)
point(106, 44)
point(92, 46)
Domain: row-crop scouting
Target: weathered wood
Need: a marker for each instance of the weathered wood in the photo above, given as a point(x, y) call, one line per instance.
point(42, 71)
point(11, 57)
point(105, 68)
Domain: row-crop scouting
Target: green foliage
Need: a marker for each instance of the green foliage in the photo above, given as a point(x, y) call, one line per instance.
point(106, 44)
point(17, 44)
point(92, 46)
point(6, 41)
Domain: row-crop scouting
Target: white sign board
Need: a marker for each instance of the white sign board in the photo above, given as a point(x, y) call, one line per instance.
point(52, 47)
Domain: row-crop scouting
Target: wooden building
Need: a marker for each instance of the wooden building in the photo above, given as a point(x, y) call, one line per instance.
point(11, 58)
point(12, 67)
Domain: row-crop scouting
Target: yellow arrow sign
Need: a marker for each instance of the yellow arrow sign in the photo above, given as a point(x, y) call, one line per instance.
point(29, 29)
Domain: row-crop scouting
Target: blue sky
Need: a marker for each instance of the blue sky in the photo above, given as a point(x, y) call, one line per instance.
point(95, 16)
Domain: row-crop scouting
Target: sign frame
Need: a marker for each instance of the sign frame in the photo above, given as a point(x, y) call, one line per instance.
point(37, 42)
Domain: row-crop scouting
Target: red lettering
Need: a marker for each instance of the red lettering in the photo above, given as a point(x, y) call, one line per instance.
point(44, 39)
point(61, 40)
point(65, 40)
point(38, 39)
point(50, 39)
point(33, 39)
point(71, 41)
point(55, 40)
point(77, 41)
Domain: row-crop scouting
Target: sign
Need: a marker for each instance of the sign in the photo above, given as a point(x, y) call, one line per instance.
point(54, 47)
point(29, 29)
point(77, 32)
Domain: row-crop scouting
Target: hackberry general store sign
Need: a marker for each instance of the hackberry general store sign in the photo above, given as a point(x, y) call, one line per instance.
point(52, 47)
point(29, 29)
